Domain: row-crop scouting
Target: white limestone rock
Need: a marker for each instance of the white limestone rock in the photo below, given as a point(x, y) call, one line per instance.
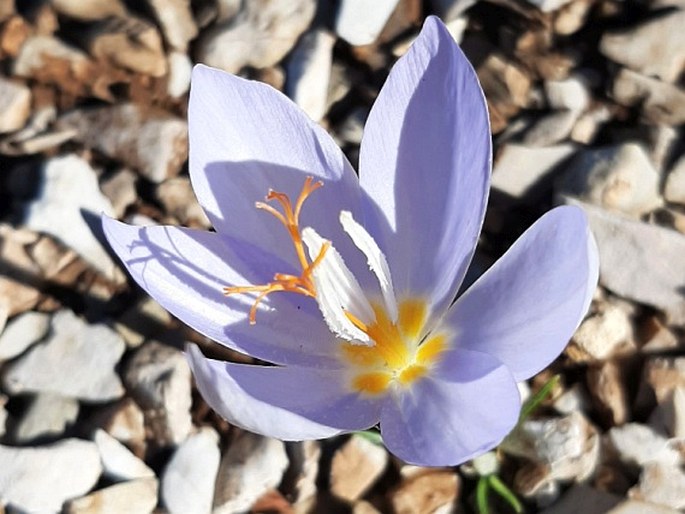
point(309, 72)
point(619, 178)
point(76, 360)
point(655, 47)
point(674, 191)
point(176, 19)
point(568, 447)
point(260, 35)
point(360, 22)
point(660, 102)
point(158, 378)
point(627, 251)
point(118, 463)
point(640, 507)
point(188, 480)
point(304, 469)
point(570, 94)
point(520, 169)
point(69, 188)
point(22, 332)
point(662, 485)
point(551, 128)
point(252, 465)
point(638, 445)
point(41, 479)
point(15, 105)
point(180, 70)
point(153, 142)
point(48, 415)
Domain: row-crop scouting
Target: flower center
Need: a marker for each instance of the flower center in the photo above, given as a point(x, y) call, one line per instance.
point(383, 343)
point(398, 354)
point(290, 218)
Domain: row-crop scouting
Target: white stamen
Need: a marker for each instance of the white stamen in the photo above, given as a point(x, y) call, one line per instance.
point(337, 291)
point(375, 258)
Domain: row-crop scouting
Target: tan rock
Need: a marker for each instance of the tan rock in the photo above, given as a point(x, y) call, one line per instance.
point(432, 491)
point(355, 468)
point(607, 388)
point(48, 60)
point(144, 320)
point(158, 378)
point(124, 421)
point(664, 374)
point(133, 497)
point(179, 200)
point(506, 87)
point(603, 335)
point(89, 10)
point(27, 261)
point(129, 43)
point(120, 189)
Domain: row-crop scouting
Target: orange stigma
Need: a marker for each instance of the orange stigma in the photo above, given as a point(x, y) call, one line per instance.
point(290, 218)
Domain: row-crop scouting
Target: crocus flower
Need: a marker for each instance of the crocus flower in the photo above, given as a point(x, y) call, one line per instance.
point(346, 285)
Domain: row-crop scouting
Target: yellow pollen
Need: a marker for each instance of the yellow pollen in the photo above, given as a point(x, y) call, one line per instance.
point(398, 354)
point(373, 383)
point(412, 317)
point(290, 218)
point(411, 373)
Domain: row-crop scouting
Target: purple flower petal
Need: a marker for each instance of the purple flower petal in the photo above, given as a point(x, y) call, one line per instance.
point(185, 271)
point(466, 407)
point(526, 307)
point(247, 138)
point(425, 163)
point(288, 403)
